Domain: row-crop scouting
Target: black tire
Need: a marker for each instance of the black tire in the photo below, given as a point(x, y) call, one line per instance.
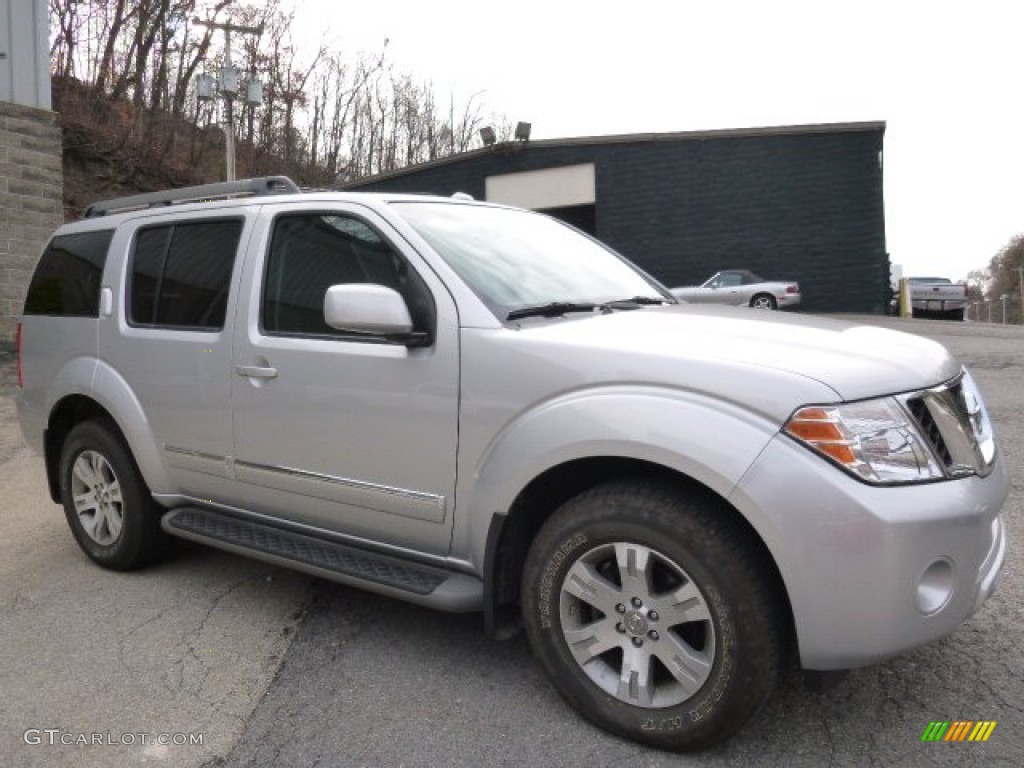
point(764, 301)
point(118, 525)
point(731, 636)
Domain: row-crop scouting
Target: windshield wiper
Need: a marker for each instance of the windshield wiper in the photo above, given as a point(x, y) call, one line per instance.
point(552, 309)
point(634, 303)
point(556, 308)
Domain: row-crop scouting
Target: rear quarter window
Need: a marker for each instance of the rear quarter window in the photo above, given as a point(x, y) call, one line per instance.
point(66, 282)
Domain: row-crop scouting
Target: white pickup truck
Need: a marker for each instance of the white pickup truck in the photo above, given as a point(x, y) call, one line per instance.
point(938, 297)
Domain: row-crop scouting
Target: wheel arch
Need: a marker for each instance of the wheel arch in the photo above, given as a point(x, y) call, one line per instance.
point(64, 416)
point(511, 535)
point(112, 399)
point(773, 302)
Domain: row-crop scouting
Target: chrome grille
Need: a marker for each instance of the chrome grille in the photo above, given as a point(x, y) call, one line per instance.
point(929, 430)
point(953, 421)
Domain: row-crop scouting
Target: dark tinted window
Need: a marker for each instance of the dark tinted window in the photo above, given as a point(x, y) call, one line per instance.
point(181, 274)
point(67, 280)
point(147, 268)
point(309, 253)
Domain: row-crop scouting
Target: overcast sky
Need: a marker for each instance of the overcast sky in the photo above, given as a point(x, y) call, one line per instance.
point(947, 78)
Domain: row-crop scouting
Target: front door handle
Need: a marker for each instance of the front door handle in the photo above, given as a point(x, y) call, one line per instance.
point(256, 372)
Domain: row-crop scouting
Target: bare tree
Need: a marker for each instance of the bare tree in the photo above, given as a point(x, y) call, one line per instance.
point(326, 116)
point(113, 27)
point(1006, 278)
point(65, 20)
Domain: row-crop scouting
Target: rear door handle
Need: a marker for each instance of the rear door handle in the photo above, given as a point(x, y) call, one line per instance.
point(256, 372)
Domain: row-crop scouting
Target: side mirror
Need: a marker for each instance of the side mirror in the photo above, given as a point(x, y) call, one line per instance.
point(367, 308)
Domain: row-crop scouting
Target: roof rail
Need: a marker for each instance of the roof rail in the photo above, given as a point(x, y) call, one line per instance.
point(264, 185)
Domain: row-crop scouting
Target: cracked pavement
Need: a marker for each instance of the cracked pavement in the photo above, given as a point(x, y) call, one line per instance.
point(280, 670)
point(185, 647)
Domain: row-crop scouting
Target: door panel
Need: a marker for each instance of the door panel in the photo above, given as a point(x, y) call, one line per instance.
point(338, 431)
point(168, 335)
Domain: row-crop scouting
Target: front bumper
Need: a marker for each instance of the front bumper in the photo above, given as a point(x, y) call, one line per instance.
point(872, 571)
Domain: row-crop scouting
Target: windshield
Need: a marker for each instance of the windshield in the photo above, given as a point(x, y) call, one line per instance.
point(514, 259)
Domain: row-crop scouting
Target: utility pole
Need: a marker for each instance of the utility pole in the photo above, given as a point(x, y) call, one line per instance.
point(1020, 272)
point(228, 83)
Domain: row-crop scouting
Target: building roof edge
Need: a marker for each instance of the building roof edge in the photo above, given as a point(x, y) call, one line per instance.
point(627, 138)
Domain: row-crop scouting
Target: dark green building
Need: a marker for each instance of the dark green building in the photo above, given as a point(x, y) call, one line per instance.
point(797, 203)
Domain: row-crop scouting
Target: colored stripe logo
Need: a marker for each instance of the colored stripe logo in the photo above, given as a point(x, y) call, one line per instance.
point(959, 730)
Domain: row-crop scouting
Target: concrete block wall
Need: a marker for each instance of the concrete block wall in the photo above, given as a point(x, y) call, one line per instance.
point(30, 200)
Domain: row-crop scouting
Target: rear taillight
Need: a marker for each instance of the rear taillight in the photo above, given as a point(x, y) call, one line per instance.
point(17, 343)
point(793, 288)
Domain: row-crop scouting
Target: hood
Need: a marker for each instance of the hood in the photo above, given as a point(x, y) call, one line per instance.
point(853, 361)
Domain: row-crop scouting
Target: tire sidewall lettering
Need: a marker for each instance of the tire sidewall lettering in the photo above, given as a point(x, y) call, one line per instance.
point(550, 577)
point(725, 661)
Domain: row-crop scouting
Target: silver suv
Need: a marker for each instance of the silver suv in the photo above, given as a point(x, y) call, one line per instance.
point(478, 408)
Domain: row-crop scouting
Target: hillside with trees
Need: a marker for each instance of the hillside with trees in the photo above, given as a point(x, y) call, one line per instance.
point(124, 83)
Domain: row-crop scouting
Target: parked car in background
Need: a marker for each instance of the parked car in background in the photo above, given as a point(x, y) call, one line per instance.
point(937, 297)
point(741, 288)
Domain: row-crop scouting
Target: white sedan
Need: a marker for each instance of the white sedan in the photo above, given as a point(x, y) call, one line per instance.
point(741, 288)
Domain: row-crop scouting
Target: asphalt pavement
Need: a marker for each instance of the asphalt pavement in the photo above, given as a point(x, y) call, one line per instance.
point(157, 667)
point(279, 670)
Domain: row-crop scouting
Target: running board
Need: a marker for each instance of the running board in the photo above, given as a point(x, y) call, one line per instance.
point(375, 572)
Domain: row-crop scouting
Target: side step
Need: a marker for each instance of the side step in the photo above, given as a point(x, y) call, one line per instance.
point(384, 574)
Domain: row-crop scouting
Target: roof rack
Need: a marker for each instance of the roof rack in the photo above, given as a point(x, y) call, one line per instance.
point(258, 187)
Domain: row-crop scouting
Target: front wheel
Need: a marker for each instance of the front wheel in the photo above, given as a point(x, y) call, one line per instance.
point(764, 301)
point(654, 614)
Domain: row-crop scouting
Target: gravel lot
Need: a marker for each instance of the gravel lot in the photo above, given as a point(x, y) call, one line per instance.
point(279, 670)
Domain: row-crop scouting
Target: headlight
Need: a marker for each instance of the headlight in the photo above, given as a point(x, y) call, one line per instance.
point(874, 440)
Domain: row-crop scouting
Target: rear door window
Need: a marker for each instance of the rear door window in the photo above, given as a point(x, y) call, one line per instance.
point(181, 274)
point(66, 282)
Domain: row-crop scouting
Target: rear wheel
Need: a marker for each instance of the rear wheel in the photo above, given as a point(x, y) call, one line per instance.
point(764, 301)
point(654, 614)
point(109, 509)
